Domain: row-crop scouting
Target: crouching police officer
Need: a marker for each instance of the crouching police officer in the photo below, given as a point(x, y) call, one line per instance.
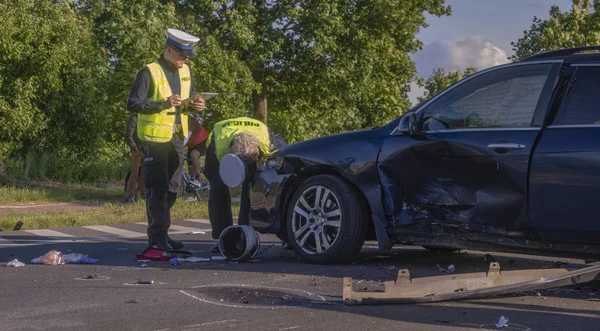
point(250, 140)
point(157, 96)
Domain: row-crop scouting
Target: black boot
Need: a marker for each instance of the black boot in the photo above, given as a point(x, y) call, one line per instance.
point(176, 244)
point(161, 246)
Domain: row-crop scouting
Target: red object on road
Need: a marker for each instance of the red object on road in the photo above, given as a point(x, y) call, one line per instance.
point(154, 254)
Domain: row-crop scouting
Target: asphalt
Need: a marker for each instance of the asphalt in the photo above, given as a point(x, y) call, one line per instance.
point(275, 291)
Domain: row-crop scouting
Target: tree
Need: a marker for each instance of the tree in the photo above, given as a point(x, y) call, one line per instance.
point(440, 80)
point(324, 66)
point(577, 27)
point(133, 33)
point(49, 71)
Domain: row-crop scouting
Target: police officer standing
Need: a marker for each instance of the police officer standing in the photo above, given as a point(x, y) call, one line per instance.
point(162, 94)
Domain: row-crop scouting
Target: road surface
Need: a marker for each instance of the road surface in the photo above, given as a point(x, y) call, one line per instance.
point(274, 292)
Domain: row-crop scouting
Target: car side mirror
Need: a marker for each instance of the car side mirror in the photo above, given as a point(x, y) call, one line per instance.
point(408, 124)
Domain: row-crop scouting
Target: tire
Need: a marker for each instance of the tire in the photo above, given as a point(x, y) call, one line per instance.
point(344, 231)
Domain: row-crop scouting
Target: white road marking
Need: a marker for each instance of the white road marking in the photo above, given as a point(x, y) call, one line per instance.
point(179, 229)
point(53, 235)
point(7, 243)
point(208, 323)
point(116, 231)
point(197, 220)
point(185, 229)
point(60, 237)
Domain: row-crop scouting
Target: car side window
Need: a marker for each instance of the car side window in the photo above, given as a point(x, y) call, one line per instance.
point(503, 98)
point(581, 103)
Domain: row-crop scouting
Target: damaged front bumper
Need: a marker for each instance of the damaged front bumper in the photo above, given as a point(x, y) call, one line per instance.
point(265, 197)
point(467, 286)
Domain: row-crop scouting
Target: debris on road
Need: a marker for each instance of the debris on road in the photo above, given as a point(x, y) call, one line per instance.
point(149, 281)
point(531, 293)
point(239, 243)
point(15, 263)
point(133, 301)
point(91, 277)
point(153, 254)
point(194, 259)
point(448, 270)
point(79, 258)
point(218, 258)
point(467, 286)
point(502, 322)
point(196, 232)
point(53, 257)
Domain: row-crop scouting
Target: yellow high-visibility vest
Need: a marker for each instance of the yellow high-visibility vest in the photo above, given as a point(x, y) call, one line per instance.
point(226, 130)
point(159, 127)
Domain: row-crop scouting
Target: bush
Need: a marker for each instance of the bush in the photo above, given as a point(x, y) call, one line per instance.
point(108, 163)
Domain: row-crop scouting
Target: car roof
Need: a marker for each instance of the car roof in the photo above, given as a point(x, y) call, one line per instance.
point(573, 54)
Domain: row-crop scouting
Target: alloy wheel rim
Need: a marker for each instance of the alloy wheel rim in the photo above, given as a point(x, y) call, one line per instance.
point(316, 220)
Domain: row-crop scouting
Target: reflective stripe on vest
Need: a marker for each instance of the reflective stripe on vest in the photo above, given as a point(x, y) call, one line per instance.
point(159, 127)
point(226, 130)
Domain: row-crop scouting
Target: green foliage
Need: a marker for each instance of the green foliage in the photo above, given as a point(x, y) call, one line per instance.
point(440, 80)
point(67, 67)
point(325, 66)
point(104, 215)
point(578, 27)
point(48, 71)
point(33, 192)
point(106, 163)
point(130, 34)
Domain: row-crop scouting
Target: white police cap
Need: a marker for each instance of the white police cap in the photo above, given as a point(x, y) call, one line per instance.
point(183, 41)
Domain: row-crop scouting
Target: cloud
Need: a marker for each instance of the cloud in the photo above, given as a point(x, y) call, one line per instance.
point(471, 51)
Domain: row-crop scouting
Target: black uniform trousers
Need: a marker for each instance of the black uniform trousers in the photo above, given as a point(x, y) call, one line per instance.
point(219, 199)
point(163, 167)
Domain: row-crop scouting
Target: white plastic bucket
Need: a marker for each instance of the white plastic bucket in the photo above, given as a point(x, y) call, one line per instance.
point(239, 243)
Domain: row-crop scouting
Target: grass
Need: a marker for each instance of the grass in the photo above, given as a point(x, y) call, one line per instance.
point(104, 215)
point(36, 192)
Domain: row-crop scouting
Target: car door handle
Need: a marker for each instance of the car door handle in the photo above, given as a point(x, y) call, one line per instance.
point(509, 146)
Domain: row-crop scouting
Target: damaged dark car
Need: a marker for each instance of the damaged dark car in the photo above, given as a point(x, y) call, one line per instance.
point(508, 159)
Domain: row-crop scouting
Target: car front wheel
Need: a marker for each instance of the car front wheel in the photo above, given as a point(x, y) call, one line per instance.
point(327, 220)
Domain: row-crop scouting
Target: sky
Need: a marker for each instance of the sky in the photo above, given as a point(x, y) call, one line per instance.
point(477, 34)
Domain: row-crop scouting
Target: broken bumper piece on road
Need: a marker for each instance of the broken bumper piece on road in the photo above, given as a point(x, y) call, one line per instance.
point(467, 286)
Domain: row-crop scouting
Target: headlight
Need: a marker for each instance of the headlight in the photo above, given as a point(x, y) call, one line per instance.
point(274, 163)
